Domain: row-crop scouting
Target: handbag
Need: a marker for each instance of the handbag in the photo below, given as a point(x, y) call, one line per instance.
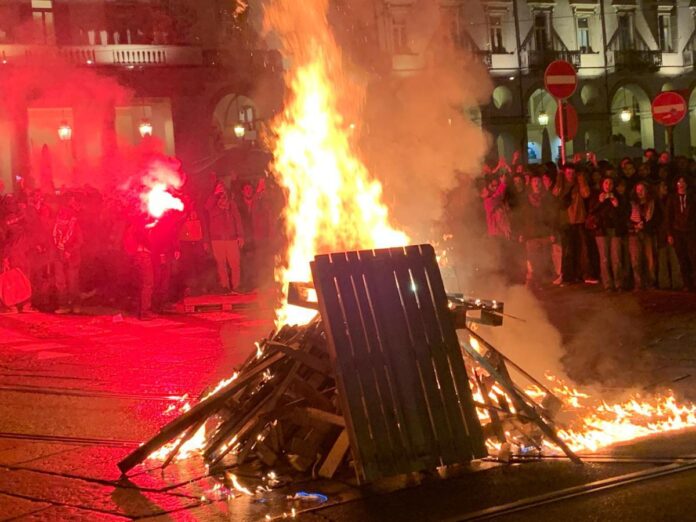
point(15, 287)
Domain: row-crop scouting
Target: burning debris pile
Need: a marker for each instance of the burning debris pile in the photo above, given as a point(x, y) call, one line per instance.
point(379, 371)
point(279, 405)
point(291, 410)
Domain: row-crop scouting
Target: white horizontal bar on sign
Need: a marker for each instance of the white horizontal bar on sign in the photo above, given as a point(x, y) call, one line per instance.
point(566, 79)
point(661, 109)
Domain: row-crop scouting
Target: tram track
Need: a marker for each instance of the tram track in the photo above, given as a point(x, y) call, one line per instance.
point(582, 490)
point(64, 439)
point(80, 392)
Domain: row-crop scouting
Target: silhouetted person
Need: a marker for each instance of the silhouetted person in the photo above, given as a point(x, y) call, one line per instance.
point(681, 229)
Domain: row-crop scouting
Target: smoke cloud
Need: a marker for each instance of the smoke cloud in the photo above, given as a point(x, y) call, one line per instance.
point(418, 137)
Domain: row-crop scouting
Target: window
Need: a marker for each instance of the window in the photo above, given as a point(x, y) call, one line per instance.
point(541, 32)
point(625, 31)
point(42, 16)
point(495, 33)
point(247, 117)
point(584, 35)
point(399, 36)
point(665, 32)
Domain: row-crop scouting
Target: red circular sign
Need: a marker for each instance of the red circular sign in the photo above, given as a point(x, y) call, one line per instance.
point(570, 121)
point(560, 79)
point(669, 108)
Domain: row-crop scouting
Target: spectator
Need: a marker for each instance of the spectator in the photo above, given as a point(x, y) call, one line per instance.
point(539, 231)
point(497, 209)
point(572, 191)
point(624, 213)
point(136, 242)
point(517, 202)
point(628, 173)
point(67, 242)
point(641, 238)
point(257, 257)
point(556, 250)
point(668, 273)
point(193, 250)
point(40, 227)
point(14, 242)
point(604, 215)
point(226, 237)
point(681, 230)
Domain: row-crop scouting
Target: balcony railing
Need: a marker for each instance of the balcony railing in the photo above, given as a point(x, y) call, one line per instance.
point(118, 55)
point(635, 60)
point(485, 57)
point(539, 59)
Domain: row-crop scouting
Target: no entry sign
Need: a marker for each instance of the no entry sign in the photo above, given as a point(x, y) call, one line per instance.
point(669, 108)
point(560, 79)
point(570, 121)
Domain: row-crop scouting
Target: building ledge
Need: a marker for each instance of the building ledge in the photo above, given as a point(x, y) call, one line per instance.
point(101, 55)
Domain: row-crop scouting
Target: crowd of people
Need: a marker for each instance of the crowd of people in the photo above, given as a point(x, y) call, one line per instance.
point(628, 227)
point(631, 226)
point(82, 246)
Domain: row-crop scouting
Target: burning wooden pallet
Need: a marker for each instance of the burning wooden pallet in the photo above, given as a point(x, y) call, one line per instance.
point(378, 383)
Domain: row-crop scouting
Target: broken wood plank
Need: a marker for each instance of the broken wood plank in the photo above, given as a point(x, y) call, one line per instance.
point(335, 456)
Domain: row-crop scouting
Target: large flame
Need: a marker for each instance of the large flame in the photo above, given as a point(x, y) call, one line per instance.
point(333, 202)
point(587, 422)
point(597, 423)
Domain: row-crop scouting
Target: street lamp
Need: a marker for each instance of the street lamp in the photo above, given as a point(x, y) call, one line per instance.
point(64, 131)
point(145, 128)
point(239, 130)
point(626, 115)
point(543, 118)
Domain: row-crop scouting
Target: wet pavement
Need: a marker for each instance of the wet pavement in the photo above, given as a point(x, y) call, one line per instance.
point(78, 393)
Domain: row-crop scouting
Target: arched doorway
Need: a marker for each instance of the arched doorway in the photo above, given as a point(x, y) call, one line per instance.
point(505, 145)
point(233, 113)
point(542, 141)
point(631, 117)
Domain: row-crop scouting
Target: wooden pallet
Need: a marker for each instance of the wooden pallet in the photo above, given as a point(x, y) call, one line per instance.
point(401, 377)
point(213, 303)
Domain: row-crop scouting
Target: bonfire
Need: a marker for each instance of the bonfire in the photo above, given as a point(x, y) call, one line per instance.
point(334, 204)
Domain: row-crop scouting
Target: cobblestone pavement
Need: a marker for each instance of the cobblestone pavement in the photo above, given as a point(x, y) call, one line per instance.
point(77, 393)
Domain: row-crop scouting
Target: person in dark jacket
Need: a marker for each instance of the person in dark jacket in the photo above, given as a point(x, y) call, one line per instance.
point(681, 230)
point(539, 231)
point(136, 243)
point(604, 215)
point(226, 237)
point(668, 273)
point(257, 256)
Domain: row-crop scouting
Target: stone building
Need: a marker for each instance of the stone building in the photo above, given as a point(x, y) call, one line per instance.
point(625, 52)
point(84, 82)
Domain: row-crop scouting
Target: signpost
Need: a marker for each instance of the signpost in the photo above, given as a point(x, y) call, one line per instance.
point(561, 80)
point(668, 109)
point(569, 119)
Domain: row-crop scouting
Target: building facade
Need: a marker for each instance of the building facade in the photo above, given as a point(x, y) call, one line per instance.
point(84, 82)
point(625, 52)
